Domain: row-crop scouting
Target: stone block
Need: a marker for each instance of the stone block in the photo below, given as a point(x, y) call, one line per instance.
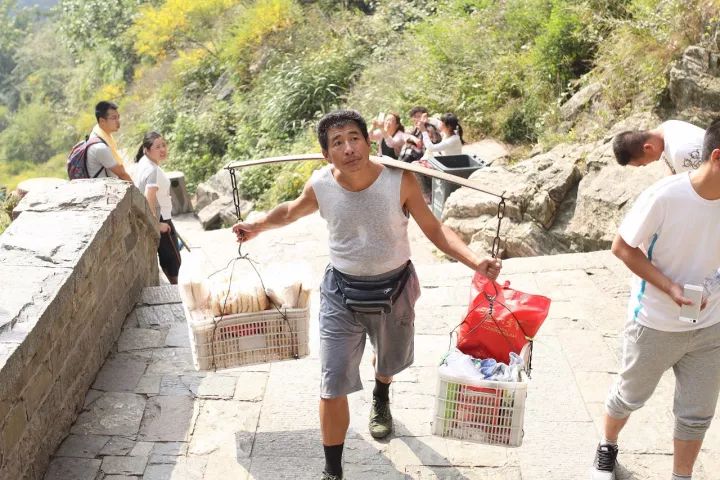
point(13, 427)
point(118, 446)
point(112, 414)
point(170, 361)
point(167, 419)
point(159, 316)
point(65, 468)
point(216, 387)
point(82, 446)
point(124, 465)
point(250, 386)
point(170, 449)
point(72, 231)
point(148, 384)
point(142, 449)
point(185, 468)
point(178, 336)
point(120, 374)
point(139, 339)
point(178, 191)
point(37, 388)
point(227, 426)
point(27, 289)
point(159, 295)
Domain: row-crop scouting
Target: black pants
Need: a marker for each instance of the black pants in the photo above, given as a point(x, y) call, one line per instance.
point(168, 252)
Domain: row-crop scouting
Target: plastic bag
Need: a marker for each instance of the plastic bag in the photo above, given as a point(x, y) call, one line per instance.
point(516, 317)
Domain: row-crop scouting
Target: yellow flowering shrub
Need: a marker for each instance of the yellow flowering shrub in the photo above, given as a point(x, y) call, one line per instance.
point(158, 29)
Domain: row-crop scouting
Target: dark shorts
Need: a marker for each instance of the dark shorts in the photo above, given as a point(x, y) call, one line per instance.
point(168, 251)
point(343, 333)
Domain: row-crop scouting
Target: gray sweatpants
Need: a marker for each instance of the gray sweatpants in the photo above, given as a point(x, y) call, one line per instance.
point(695, 359)
point(343, 333)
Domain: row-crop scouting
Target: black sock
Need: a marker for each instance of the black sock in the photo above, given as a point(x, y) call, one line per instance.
point(381, 391)
point(333, 459)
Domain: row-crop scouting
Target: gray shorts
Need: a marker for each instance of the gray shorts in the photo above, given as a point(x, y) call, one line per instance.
point(694, 357)
point(342, 336)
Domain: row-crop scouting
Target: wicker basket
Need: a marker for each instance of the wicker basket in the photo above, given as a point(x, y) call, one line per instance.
point(482, 411)
point(248, 338)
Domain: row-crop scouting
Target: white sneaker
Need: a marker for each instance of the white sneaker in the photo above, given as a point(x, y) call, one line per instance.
point(605, 463)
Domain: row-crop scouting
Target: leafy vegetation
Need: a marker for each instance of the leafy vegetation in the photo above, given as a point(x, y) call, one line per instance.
point(227, 80)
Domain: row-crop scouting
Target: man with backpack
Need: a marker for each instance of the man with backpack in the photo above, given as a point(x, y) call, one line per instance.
point(99, 154)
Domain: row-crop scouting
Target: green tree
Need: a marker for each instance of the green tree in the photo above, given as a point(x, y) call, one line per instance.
point(91, 24)
point(13, 27)
point(29, 137)
point(42, 74)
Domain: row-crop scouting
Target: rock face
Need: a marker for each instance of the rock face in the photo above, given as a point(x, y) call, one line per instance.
point(214, 202)
point(695, 84)
point(570, 199)
point(579, 101)
point(178, 191)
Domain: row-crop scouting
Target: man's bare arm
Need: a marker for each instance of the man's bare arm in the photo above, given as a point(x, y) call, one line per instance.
point(442, 236)
point(121, 173)
point(283, 214)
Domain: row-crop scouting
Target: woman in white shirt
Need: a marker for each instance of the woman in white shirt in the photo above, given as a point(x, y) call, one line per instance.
point(155, 185)
point(451, 132)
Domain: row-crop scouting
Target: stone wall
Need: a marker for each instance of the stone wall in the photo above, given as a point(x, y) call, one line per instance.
point(72, 266)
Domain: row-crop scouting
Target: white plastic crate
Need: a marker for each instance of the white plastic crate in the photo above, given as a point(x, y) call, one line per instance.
point(248, 338)
point(482, 411)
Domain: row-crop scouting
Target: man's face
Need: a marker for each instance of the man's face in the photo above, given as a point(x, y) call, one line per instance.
point(347, 149)
point(416, 118)
point(651, 153)
point(111, 122)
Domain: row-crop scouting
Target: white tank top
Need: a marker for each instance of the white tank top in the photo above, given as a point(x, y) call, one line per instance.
point(368, 229)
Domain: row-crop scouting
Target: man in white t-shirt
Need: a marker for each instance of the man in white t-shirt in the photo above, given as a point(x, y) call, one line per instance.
point(670, 238)
point(103, 159)
point(678, 143)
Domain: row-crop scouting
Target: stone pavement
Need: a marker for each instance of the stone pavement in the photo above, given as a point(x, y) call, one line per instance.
point(151, 416)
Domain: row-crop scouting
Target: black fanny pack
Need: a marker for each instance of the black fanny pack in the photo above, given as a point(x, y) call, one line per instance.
point(372, 296)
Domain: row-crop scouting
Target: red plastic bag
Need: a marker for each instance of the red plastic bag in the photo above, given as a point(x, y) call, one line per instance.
point(516, 317)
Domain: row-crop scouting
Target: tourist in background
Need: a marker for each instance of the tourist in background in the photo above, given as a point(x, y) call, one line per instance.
point(450, 130)
point(390, 134)
point(155, 185)
point(678, 143)
point(103, 159)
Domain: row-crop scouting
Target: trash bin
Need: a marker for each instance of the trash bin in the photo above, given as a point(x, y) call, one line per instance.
point(460, 165)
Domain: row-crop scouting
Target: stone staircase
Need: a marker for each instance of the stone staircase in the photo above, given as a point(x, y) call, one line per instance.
point(149, 415)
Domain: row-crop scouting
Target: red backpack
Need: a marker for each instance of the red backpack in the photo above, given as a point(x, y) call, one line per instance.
point(77, 160)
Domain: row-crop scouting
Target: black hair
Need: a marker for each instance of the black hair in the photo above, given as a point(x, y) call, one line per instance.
point(433, 133)
point(628, 145)
point(415, 110)
point(101, 109)
point(147, 142)
point(339, 118)
point(712, 139)
point(400, 126)
point(451, 121)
